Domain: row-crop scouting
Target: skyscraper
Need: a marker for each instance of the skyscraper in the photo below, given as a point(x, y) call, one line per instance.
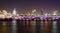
point(55, 13)
point(41, 13)
point(34, 12)
point(14, 12)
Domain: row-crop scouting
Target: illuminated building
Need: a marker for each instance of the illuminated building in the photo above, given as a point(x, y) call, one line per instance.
point(49, 13)
point(46, 14)
point(41, 13)
point(55, 13)
point(3, 13)
point(14, 12)
point(34, 12)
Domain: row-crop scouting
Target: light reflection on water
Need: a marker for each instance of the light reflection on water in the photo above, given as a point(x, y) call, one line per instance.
point(14, 26)
point(29, 26)
point(42, 26)
point(54, 27)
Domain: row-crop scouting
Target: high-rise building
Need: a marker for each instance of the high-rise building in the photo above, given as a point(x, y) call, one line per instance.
point(46, 14)
point(5, 12)
point(34, 12)
point(49, 13)
point(14, 12)
point(55, 13)
point(41, 13)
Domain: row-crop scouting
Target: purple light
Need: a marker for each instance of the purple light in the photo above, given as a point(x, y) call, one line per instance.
point(31, 17)
point(41, 18)
point(27, 19)
point(23, 19)
point(45, 17)
point(53, 18)
point(56, 18)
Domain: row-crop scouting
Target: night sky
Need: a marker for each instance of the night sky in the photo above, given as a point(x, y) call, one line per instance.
point(29, 5)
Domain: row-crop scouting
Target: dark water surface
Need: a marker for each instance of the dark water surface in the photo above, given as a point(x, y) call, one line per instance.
point(29, 26)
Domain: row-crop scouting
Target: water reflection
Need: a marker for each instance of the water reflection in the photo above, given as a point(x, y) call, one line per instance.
point(42, 27)
point(47, 26)
point(36, 26)
point(54, 27)
point(33, 26)
point(4, 27)
point(14, 26)
point(58, 26)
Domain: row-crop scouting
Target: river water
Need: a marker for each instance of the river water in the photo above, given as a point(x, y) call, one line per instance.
point(29, 26)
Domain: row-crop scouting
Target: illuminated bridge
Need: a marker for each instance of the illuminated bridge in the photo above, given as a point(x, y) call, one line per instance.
point(33, 18)
point(40, 18)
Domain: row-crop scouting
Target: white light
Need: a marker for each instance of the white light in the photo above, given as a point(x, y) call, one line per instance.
point(14, 26)
point(14, 22)
point(14, 11)
point(55, 12)
point(46, 14)
point(34, 11)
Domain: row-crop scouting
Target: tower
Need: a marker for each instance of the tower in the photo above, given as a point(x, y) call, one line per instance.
point(34, 12)
point(41, 13)
point(14, 12)
point(55, 13)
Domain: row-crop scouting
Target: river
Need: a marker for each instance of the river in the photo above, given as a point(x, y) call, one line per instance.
point(29, 26)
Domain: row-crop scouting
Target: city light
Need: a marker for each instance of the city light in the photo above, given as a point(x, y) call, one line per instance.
point(14, 11)
point(4, 14)
point(55, 13)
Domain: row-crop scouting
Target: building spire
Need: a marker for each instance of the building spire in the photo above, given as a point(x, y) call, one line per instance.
point(14, 12)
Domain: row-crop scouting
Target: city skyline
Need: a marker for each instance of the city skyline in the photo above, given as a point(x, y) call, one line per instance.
point(34, 12)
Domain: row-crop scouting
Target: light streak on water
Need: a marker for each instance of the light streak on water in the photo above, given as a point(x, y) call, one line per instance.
point(14, 27)
point(42, 27)
point(54, 27)
point(33, 26)
point(4, 28)
point(47, 26)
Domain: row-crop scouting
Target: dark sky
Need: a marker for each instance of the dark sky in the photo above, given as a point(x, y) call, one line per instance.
point(29, 5)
